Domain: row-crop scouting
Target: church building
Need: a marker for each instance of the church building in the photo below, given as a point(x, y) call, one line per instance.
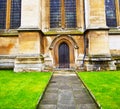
point(37, 35)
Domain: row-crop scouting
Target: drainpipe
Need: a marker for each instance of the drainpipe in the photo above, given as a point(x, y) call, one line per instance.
point(84, 34)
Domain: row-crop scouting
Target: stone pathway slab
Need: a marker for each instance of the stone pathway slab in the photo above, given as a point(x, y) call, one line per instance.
point(66, 91)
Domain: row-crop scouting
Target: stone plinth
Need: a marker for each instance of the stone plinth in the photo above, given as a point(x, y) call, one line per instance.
point(28, 64)
point(7, 61)
point(30, 48)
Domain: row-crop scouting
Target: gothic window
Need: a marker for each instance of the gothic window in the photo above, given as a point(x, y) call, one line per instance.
point(63, 13)
point(2, 14)
point(110, 13)
point(55, 17)
point(15, 14)
point(70, 13)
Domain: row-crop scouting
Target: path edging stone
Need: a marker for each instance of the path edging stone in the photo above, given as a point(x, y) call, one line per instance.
point(40, 98)
point(91, 94)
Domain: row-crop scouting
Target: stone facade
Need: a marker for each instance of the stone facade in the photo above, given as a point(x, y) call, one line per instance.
point(34, 46)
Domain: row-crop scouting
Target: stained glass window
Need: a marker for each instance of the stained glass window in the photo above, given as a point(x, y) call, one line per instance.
point(110, 13)
point(55, 11)
point(56, 15)
point(70, 13)
point(15, 14)
point(2, 14)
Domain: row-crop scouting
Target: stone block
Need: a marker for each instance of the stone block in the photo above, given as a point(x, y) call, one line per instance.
point(7, 62)
point(28, 64)
point(112, 65)
point(89, 67)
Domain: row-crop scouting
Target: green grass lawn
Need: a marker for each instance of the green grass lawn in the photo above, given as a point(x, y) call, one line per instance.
point(21, 90)
point(105, 86)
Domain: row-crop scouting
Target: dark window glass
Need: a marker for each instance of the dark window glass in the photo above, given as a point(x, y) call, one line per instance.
point(55, 17)
point(15, 14)
point(2, 14)
point(119, 5)
point(70, 13)
point(110, 13)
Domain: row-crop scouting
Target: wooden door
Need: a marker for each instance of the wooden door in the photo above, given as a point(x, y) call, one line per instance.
point(64, 60)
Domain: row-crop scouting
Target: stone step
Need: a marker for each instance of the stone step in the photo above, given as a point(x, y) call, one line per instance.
point(7, 65)
point(28, 62)
point(23, 69)
point(29, 65)
point(7, 62)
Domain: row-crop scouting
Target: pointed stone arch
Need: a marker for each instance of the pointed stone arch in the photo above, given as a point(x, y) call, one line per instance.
point(68, 37)
point(55, 46)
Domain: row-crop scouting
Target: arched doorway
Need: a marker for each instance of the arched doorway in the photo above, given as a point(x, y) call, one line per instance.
point(64, 58)
point(71, 45)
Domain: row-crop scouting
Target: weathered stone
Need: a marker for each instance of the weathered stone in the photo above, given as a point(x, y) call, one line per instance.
point(90, 37)
point(67, 98)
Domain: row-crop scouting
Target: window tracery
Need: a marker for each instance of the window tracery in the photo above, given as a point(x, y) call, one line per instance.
point(63, 13)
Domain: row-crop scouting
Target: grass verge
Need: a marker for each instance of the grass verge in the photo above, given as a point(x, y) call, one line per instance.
point(21, 90)
point(105, 86)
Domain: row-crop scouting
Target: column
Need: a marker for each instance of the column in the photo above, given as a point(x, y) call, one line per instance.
point(30, 38)
point(95, 14)
point(30, 14)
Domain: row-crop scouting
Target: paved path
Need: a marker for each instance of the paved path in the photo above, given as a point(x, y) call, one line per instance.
point(66, 91)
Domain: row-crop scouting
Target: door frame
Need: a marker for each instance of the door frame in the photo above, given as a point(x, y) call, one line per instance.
point(54, 49)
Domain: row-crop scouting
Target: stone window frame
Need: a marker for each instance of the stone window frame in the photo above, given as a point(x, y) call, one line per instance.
point(59, 14)
point(117, 13)
point(8, 15)
point(79, 14)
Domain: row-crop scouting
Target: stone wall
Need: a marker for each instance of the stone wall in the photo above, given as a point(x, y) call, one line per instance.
point(35, 46)
point(95, 13)
point(114, 44)
point(51, 46)
point(9, 45)
point(29, 43)
point(8, 50)
point(30, 49)
point(98, 43)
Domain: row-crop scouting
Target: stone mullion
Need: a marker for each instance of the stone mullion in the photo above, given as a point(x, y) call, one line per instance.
point(81, 13)
point(62, 13)
point(48, 13)
point(78, 12)
point(117, 12)
point(8, 13)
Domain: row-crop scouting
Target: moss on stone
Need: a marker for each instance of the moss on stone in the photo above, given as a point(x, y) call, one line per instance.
point(98, 56)
point(114, 31)
point(55, 32)
point(9, 33)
